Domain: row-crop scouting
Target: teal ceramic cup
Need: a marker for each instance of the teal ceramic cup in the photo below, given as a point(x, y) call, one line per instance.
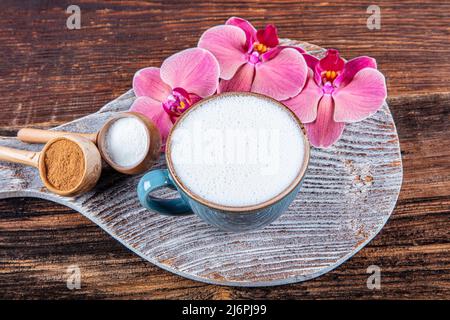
point(227, 218)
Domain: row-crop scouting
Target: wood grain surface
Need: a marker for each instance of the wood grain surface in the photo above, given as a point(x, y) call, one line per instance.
point(49, 75)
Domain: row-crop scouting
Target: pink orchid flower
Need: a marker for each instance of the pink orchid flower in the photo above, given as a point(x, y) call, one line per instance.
point(252, 60)
point(337, 92)
point(183, 79)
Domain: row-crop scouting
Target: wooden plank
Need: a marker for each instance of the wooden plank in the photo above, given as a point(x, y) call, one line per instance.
point(423, 125)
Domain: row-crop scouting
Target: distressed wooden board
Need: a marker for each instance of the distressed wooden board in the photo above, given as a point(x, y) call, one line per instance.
point(348, 194)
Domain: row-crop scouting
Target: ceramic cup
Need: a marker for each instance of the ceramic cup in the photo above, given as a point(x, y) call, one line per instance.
point(228, 218)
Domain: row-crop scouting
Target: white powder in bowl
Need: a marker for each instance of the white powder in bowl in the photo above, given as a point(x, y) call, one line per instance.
point(126, 141)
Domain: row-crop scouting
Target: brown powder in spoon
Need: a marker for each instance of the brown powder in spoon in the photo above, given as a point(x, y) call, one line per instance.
point(64, 164)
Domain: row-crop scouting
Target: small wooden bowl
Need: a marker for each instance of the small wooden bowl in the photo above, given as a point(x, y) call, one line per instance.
point(92, 166)
point(92, 163)
point(152, 149)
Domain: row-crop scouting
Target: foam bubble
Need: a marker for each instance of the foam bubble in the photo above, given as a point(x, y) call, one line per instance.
point(237, 150)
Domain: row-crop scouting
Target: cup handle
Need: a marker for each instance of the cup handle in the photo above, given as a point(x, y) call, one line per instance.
point(157, 179)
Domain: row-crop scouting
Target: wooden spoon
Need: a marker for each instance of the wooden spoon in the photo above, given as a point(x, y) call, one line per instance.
point(92, 163)
point(151, 149)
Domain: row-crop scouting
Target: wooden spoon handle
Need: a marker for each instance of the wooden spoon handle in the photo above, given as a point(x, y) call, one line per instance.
point(30, 158)
point(42, 136)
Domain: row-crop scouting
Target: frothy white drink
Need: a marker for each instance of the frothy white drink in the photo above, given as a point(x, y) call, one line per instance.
point(237, 150)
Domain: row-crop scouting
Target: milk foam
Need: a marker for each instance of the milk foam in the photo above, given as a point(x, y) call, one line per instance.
point(237, 150)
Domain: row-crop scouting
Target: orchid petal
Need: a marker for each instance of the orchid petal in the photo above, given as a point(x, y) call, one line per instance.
point(195, 70)
point(194, 98)
point(247, 27)
point(227, 44)
point(272, 53)
point(268, 36)
point(147, 82)
point(361, 98)
point(301, 50)
point(154, 111)
point(312, 62)
point(304, 105)
point(181, 92)
point(331, 62)
point(282, 77)
point(323, 132)
point(241, 82)
point(352, 67)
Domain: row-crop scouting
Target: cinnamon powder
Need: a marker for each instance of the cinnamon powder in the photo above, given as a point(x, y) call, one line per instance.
point(64, 164)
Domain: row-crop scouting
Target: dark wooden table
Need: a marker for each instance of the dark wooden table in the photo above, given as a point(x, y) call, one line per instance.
point(50, 75)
